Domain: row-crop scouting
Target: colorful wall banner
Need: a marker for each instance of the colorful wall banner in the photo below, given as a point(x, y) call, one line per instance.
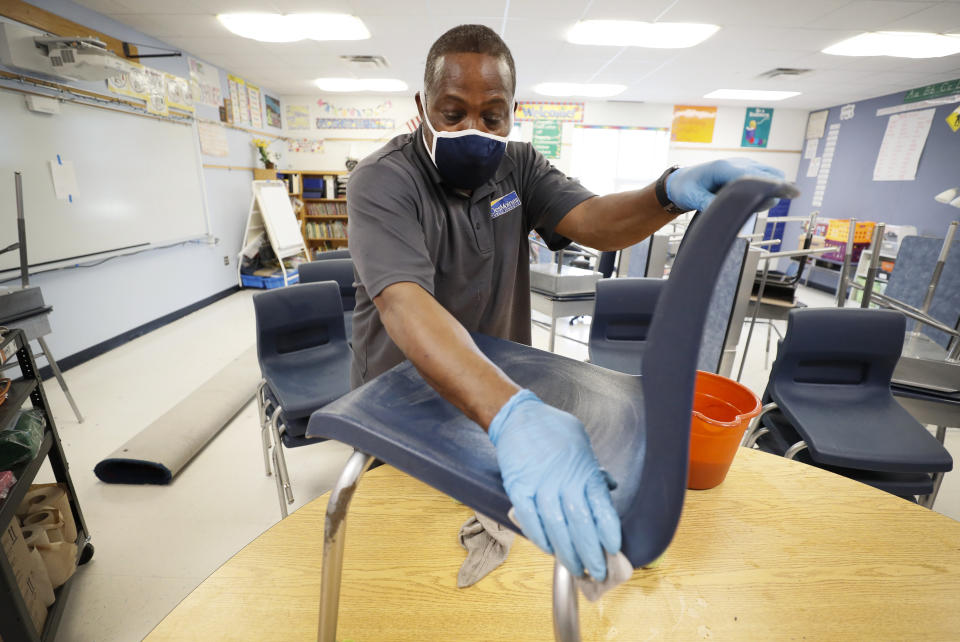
point(933, 91)
point(178, 93)
point(305, 145)
point(130, 83)
point(547, 137)
point(572, 112)
point(693, 124)
point(355, 123)
point(756, 127)
point(331, 110)
point(298, 117)
point(273, 110)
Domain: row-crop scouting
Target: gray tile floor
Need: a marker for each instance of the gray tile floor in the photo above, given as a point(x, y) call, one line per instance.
point(154, 544)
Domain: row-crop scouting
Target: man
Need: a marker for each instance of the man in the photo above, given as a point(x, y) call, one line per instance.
point(438, 228)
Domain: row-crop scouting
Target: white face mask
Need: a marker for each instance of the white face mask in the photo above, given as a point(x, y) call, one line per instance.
point(467, 158)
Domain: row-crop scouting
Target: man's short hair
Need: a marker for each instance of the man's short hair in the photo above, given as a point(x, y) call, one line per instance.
point(467, 39)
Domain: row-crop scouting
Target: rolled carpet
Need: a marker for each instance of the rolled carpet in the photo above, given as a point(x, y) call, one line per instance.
point(161, 450)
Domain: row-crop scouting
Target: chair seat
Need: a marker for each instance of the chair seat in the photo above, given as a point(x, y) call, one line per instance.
point(399, 419)
point(782, 436)
point(883, 437)
point(312, 383)
point(627, 357)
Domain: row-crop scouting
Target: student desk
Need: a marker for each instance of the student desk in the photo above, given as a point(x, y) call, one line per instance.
point(780, 550)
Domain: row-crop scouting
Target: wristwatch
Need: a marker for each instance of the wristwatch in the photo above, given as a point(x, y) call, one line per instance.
point(660, 189)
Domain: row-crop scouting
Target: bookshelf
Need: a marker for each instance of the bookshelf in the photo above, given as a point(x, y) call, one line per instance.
point(320, 203)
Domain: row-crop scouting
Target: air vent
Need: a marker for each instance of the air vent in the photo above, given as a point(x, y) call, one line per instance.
point(783, 71)
point(365, 62)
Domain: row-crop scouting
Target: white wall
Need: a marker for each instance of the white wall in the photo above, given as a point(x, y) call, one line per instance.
point(94, 304)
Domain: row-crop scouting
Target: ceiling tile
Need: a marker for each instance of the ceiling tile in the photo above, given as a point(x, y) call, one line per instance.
point(106, 7)
point(755, 14)
point(645, 10)
point(868, 15)
point(942, 18)
point(160, 25)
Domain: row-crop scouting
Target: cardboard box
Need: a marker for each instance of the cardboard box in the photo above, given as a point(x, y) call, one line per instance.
point(15, 548)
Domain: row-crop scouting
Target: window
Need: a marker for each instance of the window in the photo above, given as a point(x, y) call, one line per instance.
point(614, 159)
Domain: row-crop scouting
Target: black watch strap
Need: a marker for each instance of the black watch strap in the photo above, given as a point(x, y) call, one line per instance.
point(660, 189)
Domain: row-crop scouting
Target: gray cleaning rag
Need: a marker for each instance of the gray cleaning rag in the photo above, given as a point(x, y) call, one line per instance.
point(619, 570)
point(487, 543)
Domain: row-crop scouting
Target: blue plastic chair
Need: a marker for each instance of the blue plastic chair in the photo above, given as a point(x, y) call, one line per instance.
point(305, 362)
point(622, 314)
point(830, 383)
point(639, 426)
point(332, 254)
point(341, 271)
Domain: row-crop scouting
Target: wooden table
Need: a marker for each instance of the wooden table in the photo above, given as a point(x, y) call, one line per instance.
point(780, 550)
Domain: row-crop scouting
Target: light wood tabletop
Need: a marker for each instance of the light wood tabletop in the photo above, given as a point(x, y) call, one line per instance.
point(780, 550)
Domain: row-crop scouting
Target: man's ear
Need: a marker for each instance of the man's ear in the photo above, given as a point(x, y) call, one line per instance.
point(418, 98)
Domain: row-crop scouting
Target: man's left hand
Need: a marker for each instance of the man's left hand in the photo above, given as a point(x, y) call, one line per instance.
point(693, 188)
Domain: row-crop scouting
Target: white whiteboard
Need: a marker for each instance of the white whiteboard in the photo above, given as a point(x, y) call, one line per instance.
point(138, 181)
point(278, 217)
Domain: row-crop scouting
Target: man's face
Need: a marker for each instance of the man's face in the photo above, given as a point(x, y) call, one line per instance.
point(472, 92)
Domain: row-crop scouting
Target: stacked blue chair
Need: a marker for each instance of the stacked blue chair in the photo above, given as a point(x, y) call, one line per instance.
point(828, 402)
point(339, 270)
point(305, 362)
point(639, 426)
point(332, 254)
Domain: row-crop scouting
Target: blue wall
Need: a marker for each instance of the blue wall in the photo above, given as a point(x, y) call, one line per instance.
point(851, 190)
point(92, 305)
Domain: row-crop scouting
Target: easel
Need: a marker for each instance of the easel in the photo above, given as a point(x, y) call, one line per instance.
point(272, 215)
point(32, 317)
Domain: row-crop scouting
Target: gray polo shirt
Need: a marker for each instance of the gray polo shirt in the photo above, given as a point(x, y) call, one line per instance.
point(470, 252)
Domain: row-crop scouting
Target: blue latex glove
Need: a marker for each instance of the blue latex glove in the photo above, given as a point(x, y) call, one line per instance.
point(693, 188)
point(557, 488)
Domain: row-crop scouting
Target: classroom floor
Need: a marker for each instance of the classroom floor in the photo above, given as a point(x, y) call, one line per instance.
point(154, 544)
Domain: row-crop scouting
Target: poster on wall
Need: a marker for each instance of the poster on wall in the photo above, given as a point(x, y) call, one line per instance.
point(330, 110)
point(234, 97)
point(546, 138)
point(817, 124)
point(902, 146)
point(178, 93)
point(205, 83)
point(273, 110)
point(953, 119)
point(568, 112)
point(756, 127)
point(693, 124)
point(305, 145)
point(131, 83)
point(213, 139)
point(241, 103)
point(156, 91)
point(256, 116)
point(355, 123)
point(298, 117)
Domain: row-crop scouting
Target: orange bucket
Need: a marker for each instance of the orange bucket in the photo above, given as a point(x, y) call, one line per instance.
point(722, 409)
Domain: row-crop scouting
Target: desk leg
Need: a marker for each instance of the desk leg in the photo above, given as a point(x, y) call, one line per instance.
point(566, 619)
point(333, 540)
point(927, 500)
point(553, 332)
point(59, 376)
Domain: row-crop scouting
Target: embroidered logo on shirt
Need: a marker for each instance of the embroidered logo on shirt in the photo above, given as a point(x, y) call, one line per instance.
point(504, 204)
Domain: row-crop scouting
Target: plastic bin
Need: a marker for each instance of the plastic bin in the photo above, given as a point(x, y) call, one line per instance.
point(722, 409)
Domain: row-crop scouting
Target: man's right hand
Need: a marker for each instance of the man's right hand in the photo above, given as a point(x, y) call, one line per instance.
point(557, 488)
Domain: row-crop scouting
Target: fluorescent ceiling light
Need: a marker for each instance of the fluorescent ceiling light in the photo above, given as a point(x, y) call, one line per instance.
point(750, 94)
point(360, 84)
point(274, 27)
point(630, 33)
point(899, 44)
point(587, 90)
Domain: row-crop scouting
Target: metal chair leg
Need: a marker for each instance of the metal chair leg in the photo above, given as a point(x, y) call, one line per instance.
point(280, 462)
point(280, 494)
point(753, 430)
point(59, 376)
point(334, 533)
point(566, 619)
point(264, 434)
point(794, 449)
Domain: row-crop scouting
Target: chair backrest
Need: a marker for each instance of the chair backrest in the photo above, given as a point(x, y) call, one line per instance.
point(670, 362)
point(623, 309)
point(716, 329)
point(295, 321)
point(850, 347)
point(339, 270)
point(910, 279)
point(332, 254)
